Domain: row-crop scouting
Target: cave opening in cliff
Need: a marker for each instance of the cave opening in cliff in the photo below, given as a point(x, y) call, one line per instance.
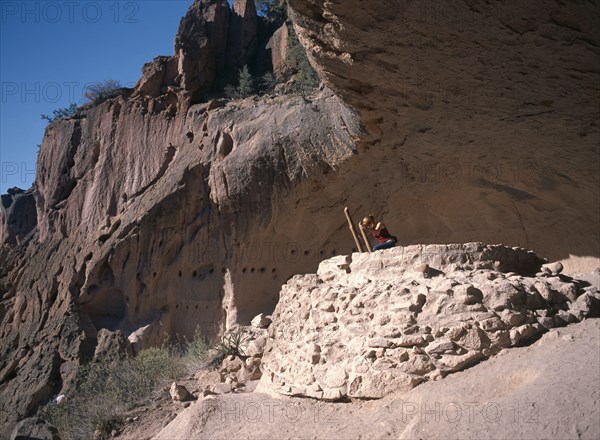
point(106, 309)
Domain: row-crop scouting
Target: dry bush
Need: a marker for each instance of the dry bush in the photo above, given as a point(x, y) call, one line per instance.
point(105, 389)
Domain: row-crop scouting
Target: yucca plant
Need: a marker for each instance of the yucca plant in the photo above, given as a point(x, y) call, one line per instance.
point(230, 345)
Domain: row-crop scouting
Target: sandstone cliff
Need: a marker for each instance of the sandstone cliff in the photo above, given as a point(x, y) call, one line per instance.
point(160, 207)
point(153, 210)
point(482, 117)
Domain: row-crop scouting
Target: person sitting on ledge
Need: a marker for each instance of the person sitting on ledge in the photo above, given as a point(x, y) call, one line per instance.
point(380, 232)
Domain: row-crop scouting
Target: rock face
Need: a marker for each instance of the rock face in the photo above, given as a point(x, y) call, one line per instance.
point(277, 48)
point(157, 209)
point(242, 42)
point(201, 44)
point(368, 325)
point(158, 234)
point(213, 42)
point(17, 216)
point(158, 76)
point(146, 215)
point(493, 146)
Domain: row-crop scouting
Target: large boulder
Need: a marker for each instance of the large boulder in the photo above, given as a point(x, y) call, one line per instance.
point(206, 379)
point(112, 345)
point(145, 337)
point(180, 393)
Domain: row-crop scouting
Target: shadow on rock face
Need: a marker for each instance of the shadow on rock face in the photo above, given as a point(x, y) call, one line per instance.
point(106, 309)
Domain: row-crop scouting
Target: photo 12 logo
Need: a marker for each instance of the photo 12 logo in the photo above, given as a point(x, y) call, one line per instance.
point(16, 171)
point(48, 92)
point(274, 412)
point(471, 412)
point(26, 12)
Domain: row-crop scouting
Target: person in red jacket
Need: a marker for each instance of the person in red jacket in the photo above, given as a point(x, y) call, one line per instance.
point(380, 232)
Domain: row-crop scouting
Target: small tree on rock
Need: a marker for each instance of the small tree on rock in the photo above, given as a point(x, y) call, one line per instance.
point(61, 113)
point(306, 79)
point(267, 82)
point(275, 11)
point(245, 86)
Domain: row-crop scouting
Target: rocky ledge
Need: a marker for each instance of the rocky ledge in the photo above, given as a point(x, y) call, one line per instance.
point(367, 325)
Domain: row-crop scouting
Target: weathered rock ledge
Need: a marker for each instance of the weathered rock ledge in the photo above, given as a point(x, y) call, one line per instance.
point(367, 325)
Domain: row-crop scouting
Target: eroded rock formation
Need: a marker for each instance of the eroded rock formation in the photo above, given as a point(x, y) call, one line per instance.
point(482, 117)
point(172, 240)
point(368, 325)
point(154, 211)
point(161, 208)
point(17, 216)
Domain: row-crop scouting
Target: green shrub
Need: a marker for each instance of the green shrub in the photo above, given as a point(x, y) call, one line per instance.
point(267, 83)
point(92, 93)
point(61, 113)
point(273, 10)
point(230, 345)
point(305, 77)
point(194, 352)
point(230, 91)
point(245, 86)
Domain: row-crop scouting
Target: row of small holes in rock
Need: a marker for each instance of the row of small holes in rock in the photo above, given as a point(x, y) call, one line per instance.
point(187, 307)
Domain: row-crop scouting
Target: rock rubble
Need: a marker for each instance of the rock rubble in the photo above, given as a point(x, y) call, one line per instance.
point(367, 325)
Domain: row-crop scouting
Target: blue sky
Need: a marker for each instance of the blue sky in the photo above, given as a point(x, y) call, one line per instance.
point(50, 49)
